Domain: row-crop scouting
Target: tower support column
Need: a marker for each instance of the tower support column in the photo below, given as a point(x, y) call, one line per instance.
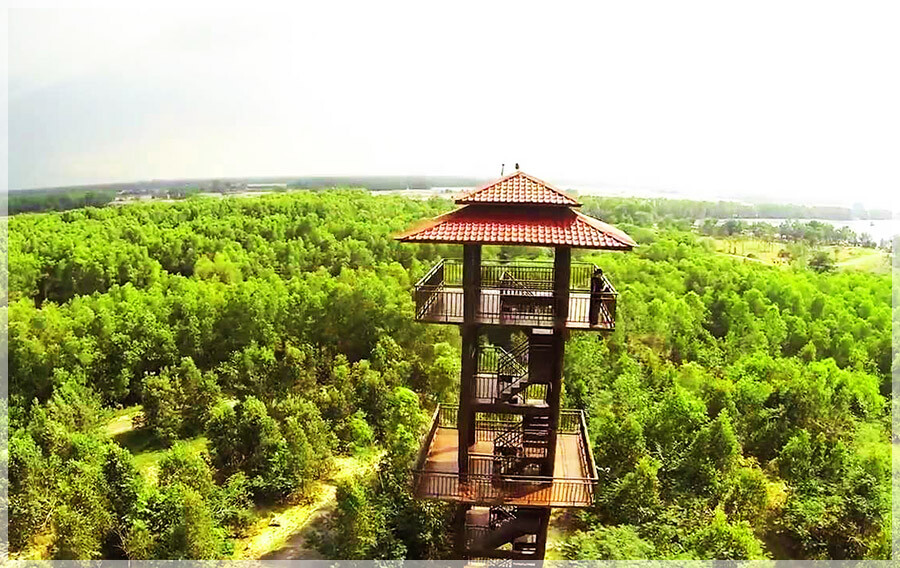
point(562, 270)
point(469, 367)
point(542, 534)
point(466, 417)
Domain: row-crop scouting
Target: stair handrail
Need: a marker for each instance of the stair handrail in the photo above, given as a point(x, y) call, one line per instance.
point(512, 360)
point(507, 359)
point(427, 436)
point(495, 511)
point(520, 286)
point(591, 464)
point(511, 437)
point(428, 288)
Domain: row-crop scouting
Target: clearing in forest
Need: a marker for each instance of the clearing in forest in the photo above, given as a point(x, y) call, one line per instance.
point(145, 449)
point(282, 532)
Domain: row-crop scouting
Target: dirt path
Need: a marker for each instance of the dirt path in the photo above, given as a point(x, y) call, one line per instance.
point(284, 533)
point(297, 545)
point(123, 421)
point(281, 533)
point(739, 257)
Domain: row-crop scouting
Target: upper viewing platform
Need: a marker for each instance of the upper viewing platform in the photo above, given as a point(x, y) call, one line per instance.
point(521, 210)
point(517, 294)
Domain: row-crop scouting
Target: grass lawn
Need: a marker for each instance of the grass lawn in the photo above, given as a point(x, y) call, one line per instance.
point(761, 250)
point(123, 420)
point(147, 461)
point(146, 450)
point(857, 258)
point(845, 257)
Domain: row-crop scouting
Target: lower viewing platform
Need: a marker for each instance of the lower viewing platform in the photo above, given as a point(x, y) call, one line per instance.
point(436, 472)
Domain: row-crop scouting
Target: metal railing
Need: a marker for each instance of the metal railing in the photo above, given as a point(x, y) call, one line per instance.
point(483, 484)
point(488, 387)
point(534, 275)
point(425, 288)
point(530, 277)
point(535, 491)
point(515, 294)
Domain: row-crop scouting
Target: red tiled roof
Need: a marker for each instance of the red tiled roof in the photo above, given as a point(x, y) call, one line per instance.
point(557, 226)
point(518, 188)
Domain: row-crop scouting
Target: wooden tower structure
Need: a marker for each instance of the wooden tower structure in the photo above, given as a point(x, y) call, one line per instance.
point(508, 454)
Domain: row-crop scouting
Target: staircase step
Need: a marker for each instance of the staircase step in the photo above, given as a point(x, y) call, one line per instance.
point(543, 437)
point(525, 547)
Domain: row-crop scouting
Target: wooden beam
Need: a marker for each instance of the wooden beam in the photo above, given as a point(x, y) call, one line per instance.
point(554, 393)
point(507, 408)
point(459, 522)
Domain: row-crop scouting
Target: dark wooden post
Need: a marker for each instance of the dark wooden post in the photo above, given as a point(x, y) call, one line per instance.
point(469, 367)
point(562, 273)
point(459, 523)
point(562, 267)
point(471, 283)
point(542, 533)
point(466, 419)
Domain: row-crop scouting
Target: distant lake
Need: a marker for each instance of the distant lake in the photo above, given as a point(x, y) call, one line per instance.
point(879, 230)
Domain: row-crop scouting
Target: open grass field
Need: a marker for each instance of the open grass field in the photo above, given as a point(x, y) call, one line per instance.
point(767, 252)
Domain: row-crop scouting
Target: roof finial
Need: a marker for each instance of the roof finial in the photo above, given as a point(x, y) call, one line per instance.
point(517, 166)
point(501, 169)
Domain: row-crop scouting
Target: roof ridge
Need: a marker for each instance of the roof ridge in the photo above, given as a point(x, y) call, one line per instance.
point(562, 198)
point(616, 232)
point(484, 186)
point(425, 224)
point(551, 187)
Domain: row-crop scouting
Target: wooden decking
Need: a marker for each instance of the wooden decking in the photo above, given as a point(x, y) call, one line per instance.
point(570, 486)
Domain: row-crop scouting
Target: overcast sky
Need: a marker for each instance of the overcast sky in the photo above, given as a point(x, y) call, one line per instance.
point(785, 99)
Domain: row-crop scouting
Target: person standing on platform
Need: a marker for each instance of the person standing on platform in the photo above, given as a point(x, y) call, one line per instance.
point(598, 288)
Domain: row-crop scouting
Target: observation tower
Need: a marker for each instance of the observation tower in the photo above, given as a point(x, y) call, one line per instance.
point(508, 454)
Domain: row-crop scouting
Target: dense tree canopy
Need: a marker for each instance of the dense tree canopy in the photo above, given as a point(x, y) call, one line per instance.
point(738, 411)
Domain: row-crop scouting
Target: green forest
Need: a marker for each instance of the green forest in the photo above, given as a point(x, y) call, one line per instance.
point(252, 346)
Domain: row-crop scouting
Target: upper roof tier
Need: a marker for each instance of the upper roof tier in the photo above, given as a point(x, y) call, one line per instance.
point(519, 225)
point(519, 210)
point(518, 188)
